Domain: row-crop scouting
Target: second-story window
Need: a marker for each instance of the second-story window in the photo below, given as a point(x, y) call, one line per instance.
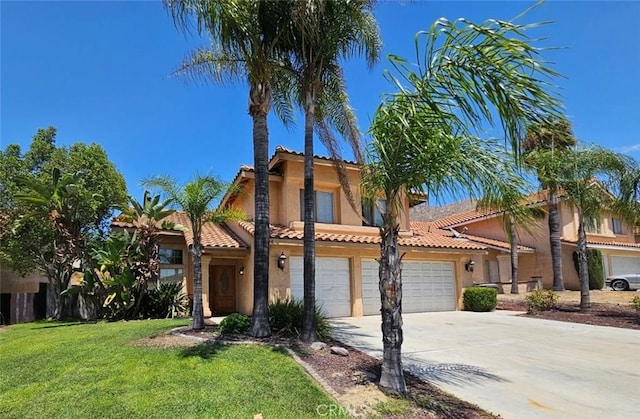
point(593, 228)
point(324, 206)
point(171, 265)
point(616, 224)
point(373, 212)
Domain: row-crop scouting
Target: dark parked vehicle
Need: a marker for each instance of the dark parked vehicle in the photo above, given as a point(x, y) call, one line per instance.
point(624, 282)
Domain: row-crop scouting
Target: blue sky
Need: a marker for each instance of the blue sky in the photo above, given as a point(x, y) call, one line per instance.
point(100, 72)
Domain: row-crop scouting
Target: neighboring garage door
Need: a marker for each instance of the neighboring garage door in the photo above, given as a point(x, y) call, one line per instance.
point(625, 265)
point(426, 286)
point(332, 284)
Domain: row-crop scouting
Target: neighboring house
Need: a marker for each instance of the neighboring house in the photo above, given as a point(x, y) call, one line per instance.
point(614, 238)
point(434, 268)
point(22, 299)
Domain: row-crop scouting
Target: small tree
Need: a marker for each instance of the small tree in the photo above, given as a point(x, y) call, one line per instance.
point(195, 198)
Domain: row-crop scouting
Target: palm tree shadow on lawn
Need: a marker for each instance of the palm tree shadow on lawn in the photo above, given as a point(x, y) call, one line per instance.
point(205, 350)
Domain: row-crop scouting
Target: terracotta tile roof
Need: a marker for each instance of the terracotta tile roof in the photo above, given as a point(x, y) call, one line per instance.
point(466, 216)
point(604, 243)
point(214, 236)
point(432, 227)
point(285, 150)
point(498, 243)
point(419, 239)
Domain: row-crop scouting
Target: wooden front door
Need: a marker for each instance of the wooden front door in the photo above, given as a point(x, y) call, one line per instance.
point(222, 287)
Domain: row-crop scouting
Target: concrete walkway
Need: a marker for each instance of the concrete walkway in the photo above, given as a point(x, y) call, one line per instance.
point(515, 366)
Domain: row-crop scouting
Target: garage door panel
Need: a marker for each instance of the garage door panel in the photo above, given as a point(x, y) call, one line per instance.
point(426, 286)
point(621, 265)
point(333, 291)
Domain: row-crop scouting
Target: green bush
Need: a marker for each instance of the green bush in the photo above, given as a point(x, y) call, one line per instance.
point(234, 323)
point(636, 303)
point(167, 300)
point(595, 268)
point(480, 299)
point(285, 319)
point(541, 300)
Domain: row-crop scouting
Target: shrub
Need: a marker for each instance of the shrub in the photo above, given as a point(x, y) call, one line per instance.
point(540, 300)
point(636, 303)
point(285, 319)
point(595, 268)
point(234, 323)
point(168, 300)
point(480, 299)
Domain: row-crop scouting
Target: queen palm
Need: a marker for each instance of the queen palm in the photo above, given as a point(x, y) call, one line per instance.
point(554, 136)
point(323, 34)
point(583, 174)
point(195, 198)
point(244, 36)
point(516, 214)
point(425, 135)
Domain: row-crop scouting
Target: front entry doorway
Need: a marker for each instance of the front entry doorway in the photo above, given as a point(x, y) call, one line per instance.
point(222, 288)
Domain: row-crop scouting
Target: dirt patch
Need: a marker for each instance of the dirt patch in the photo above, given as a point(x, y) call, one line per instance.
point(608, 308)
point(166, 341)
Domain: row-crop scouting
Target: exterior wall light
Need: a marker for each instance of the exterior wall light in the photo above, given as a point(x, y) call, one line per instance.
point(469, 266)
point(281, 261)
point(241, 269)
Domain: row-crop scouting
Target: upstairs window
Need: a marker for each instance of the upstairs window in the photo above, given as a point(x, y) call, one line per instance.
point(594, 227)
point(373, 212)
point(171, 265)
point(616, 225)
point(170, 256)
point(324, 206)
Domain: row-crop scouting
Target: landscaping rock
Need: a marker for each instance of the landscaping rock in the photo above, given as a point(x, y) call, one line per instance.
point(339, 351)
point(363, 377)
point(318, 346)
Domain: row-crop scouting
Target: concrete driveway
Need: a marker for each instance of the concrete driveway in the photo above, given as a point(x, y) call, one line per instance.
point(514, 366)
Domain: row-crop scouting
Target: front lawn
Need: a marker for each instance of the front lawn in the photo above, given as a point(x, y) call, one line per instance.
point(101, 370)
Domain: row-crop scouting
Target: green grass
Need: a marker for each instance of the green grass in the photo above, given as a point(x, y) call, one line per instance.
point(76, 370)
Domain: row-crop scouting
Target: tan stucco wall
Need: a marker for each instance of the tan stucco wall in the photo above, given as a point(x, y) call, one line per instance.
point(279, 280)
point(284, 194)
point(11, 282)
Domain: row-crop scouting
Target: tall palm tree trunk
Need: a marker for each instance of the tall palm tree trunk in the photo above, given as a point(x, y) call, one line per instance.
point(554, 241)
point(309, 320)
point(514, 258)
point(583, 267)
point(392, 377)
point(198, 309)
point(260, 318)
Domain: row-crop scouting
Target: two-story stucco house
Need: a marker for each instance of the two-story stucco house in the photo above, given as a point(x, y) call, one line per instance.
point(435, 265)
point(613, 237)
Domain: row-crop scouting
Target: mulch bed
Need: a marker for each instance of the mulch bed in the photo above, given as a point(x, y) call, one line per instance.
point(359, 369)
point(612, 315)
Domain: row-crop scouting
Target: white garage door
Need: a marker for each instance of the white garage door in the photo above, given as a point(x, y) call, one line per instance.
point(332, 284)
point(625, 265)
point(426, 286)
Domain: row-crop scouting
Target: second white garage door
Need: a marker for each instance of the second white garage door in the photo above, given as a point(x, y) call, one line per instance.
point(426, 286)
point(333, 292)
point(621, 265)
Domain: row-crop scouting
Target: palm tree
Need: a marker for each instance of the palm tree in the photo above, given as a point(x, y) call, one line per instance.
point(245, 34)
point(325, 33)
point(195, 198)
point(424, 136)
point(583, 174)
point(516, 214)
point(554, 135)
point(148, 218)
